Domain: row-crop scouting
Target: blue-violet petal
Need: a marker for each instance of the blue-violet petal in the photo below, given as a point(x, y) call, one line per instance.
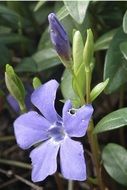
point(30, 128)
point(44, 161)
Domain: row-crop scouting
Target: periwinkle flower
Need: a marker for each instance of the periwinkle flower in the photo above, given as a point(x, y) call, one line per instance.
point(59, 38)
point(56, 132)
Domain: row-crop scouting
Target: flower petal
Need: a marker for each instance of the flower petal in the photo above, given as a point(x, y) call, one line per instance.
point(30, 128)
point(76, 124)
point(44, 160)
point(72, 160)
point(44, 97)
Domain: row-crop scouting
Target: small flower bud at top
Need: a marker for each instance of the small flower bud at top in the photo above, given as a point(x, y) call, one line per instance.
point(59, 38)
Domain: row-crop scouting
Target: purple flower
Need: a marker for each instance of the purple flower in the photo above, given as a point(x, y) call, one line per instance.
point(56, 132)
point(59, 37)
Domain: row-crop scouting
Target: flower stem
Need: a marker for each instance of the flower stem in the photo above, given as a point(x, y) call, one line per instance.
point(93, 141)
point(92, 138)
point(88, 84)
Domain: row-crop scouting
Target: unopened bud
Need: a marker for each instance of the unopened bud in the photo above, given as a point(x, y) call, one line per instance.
point(59, 38)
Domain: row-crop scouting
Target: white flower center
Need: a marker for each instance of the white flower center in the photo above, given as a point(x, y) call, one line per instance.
point(57, 132)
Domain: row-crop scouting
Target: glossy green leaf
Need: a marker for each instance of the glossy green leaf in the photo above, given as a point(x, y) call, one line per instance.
point(27, 65)
point(44, 41)
point(123, 48)
point(67, 90)
point(24, 13)
point(10, 15)
point(96, 91)
point(42, 60)
point(62, 13)
point(13, 38)
point(114, 159)
point(103, 42)
point(5, 30)
point(77, 9)
point(125, 22)
point(46, 59)
point(112, 121)
point(115, 65)
point(38, 5)
point(5, 10)
point(5, 55)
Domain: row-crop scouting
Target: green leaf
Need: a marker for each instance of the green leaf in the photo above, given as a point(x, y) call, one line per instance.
point(27, 65)
point(96, 91)
point(112, 121)
point(13, 38)
point(4, 10)
point(114, 159)
point(36, 82)
point(5, 55)
point(44, 41)
point(115, 65)
point(77, 9)
point(67, 90)
point(103, 42)
point(125, 22)
point(38, 5)
point(123, 48)
point(46, 59)
point(41, 60)
point(10, 15)
point(5, 30)
point(62, 13)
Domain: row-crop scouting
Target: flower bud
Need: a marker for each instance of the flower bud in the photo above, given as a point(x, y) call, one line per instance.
point(59, 38)
point(88, 49)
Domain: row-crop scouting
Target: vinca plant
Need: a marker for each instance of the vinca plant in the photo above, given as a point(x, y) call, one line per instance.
point(63, 105)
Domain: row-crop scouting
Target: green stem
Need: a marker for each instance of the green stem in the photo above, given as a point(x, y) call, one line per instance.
point(88, 84)
point(93, 141)
point(92, 138)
